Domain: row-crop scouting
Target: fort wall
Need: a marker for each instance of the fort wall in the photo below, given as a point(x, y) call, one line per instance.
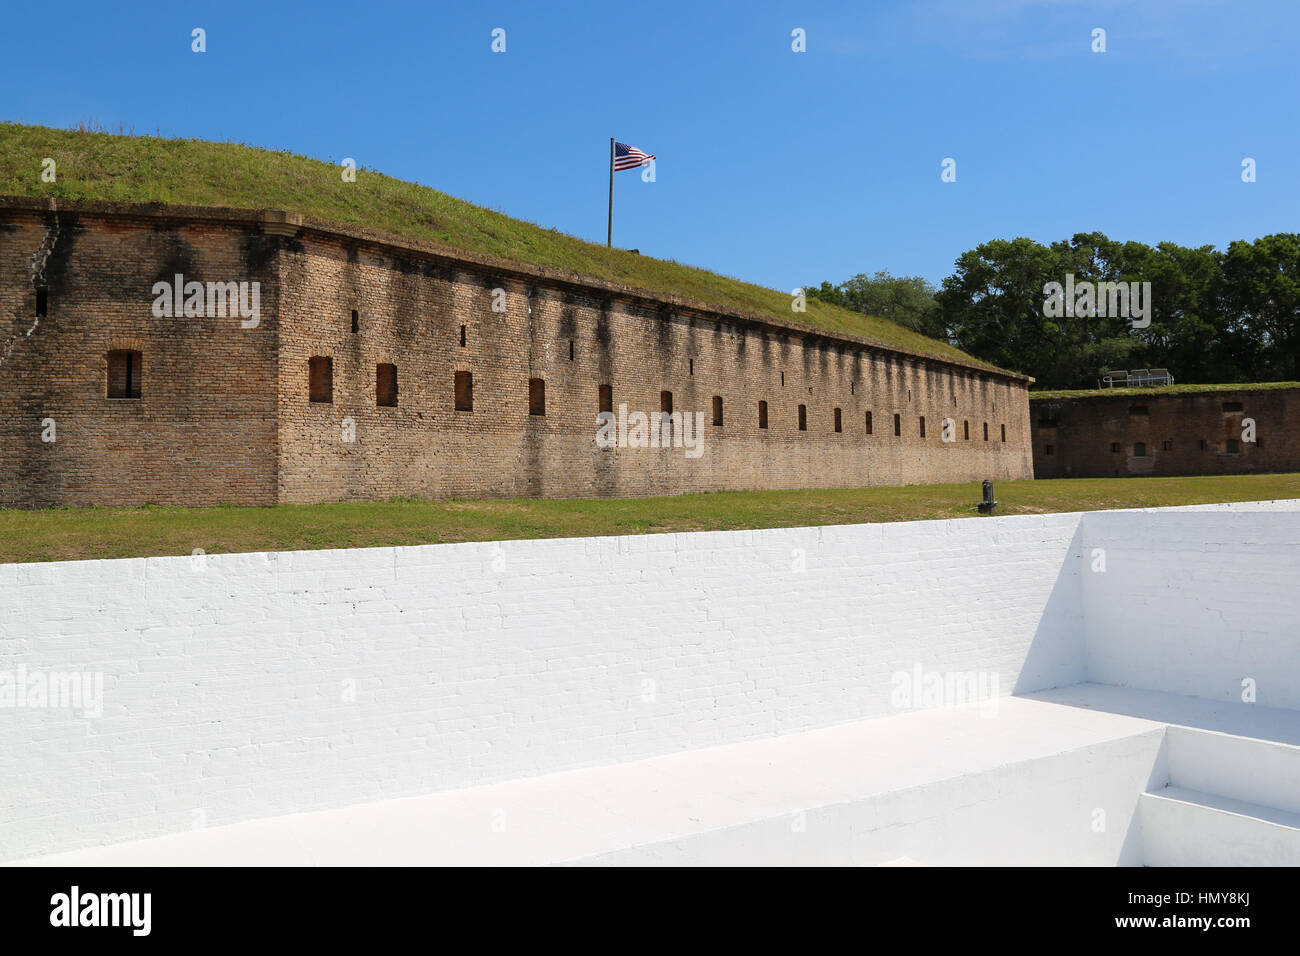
point(1104, 435)
point(227, 411)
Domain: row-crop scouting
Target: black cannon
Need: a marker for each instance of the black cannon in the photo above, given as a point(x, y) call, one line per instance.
point(986, 506)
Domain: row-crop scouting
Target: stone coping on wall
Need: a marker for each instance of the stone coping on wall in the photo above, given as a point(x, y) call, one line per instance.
point(278, 222)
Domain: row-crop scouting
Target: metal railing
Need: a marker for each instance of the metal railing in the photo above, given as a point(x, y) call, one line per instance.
point(1122, 378)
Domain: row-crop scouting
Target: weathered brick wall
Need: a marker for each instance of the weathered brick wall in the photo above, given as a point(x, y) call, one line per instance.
point(411, 313)
point(1180, 433)
point(202, 430)
point(224, 414)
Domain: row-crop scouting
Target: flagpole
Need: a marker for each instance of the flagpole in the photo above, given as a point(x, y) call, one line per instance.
point(609, 232)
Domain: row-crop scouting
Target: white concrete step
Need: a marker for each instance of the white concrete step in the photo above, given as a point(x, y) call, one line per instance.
point(1262, 772)
point(1182, 827)
point(944, 787)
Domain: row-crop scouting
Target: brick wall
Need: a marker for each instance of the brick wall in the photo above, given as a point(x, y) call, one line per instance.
point(411, 314)
point(1102, 436)
point(203, 429)
point(225, 413)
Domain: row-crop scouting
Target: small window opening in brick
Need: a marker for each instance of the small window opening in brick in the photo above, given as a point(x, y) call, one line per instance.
point(922, 426)
point(356, 321)
point(536, 396)
point(1203, 444)
point(386, 385)
point(42, 302)
point(606, 398)
point(852, 385)
point(462, 336)
point(965, 430)
point(692, 366)
point(666, 402)
point(898, 425)
point(1049, 450)
point(762, 414)
point(1004, 432)
point(1139, 449)
point(1232, 447)
point(123, 374)
point(868, 423)
point(783, 379)
point(803, 418)
point(986, 431)
point(717, 409)
point(1232, 406)
point(1114, 448)
point(1166, 445)
point(570, 350)
point(839, 421)
point(464, 391)
point(320, 378)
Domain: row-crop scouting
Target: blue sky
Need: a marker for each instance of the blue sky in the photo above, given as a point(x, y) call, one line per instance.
point(774, 166)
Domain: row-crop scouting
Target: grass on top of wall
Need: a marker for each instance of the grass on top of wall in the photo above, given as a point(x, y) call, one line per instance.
point(69, 534)
point(1156, 390)
point(129, 168)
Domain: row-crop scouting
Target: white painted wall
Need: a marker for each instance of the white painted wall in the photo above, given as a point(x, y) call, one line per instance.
point(227, 683)
point(245, 686)
point(1195, 604)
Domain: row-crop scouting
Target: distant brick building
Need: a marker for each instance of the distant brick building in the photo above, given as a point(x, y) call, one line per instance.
point(1107, 433)
point(378, 367)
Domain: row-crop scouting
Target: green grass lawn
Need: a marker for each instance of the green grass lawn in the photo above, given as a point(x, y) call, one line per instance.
point(194, 172)
point(69, 534)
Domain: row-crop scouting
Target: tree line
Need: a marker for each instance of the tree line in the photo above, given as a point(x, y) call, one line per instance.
point(1215, 316)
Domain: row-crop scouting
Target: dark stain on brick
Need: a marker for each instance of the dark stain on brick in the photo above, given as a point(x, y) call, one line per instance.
point(603, 335)
point(59, 267)
point(258, 252)
point(175, 255)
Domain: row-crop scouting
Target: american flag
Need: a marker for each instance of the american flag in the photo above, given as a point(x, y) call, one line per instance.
point(629, 157)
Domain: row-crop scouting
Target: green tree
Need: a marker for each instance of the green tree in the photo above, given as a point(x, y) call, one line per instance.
point(907, 300)
point(1261, 294)
point(993, 305)
point(1214, 316)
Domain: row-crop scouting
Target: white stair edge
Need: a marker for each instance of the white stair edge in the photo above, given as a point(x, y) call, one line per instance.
point(1238, 808)
point(1251, 770)
point(1183, 827)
